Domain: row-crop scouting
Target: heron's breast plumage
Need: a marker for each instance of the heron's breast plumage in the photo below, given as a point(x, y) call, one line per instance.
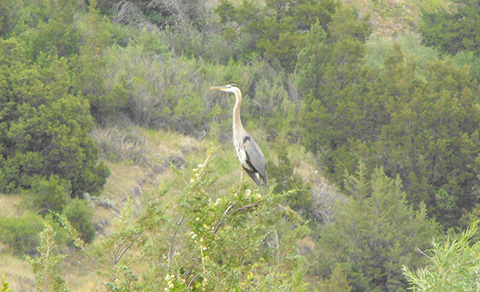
point(240, 150)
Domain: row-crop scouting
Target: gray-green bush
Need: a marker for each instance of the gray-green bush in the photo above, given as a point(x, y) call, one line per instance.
point(21, 233)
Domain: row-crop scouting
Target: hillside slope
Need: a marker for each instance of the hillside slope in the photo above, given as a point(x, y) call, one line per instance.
point(146, 160)
point(394, 17)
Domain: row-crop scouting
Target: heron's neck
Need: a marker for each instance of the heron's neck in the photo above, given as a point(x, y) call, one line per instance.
point(237, 122)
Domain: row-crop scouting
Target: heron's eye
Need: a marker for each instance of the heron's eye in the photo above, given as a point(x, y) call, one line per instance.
point(233, 85)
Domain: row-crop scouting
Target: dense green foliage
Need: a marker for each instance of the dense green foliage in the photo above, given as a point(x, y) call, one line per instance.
point(299, 195)
point(274, 29)
point(48, 195)
point(374, 233)
point(21, 233)
point(43, 126)
point(453, 29)
point(80, 215)
point(419, 123)
point(402, 116)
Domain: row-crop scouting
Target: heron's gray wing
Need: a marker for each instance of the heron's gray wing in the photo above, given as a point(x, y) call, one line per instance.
point(255, 157)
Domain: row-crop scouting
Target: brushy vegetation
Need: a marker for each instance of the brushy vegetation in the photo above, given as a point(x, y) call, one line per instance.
point(391, 120)
point(20, 233)
point(453, 264)
point(187, 244)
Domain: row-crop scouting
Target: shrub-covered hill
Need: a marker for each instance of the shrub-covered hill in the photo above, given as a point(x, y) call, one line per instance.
point(180, 208)
point(121, 154)
point(152, 167)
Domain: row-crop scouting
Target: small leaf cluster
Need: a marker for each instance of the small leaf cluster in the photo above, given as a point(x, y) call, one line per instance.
point(21, 233)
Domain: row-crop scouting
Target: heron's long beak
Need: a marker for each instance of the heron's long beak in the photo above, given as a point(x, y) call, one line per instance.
point(218, 87)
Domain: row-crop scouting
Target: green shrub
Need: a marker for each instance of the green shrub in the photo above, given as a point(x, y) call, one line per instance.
point(275, 30)
point(49, 195)
point(417, 119)
point(188, 243)
point(21, 233)
point(471, 60)
point(80, 216)
point(9, 17)
point(298, 197)
point(43, 126)
point(453, 29)
point(375, 232)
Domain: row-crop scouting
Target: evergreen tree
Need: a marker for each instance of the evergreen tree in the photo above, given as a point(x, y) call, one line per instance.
point(90, 78)
point(53, 31)
point(431, 140)
point(44, 128)
point(420, 127)
point(8, 17)
point(375, 233)
point(335, 100)
point(299, 196)
point(277, 30)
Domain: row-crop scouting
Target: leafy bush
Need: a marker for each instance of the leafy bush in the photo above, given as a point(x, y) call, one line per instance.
point(417, 123)
point(43, 127)
point(80, 215)
point(299, 197)
point(471, 60)
point(378, 48)
point(55, 32)
point(9, 17)
point(21, 233)
point(275, 30)
point(48, 195)
point(91, 80)
point(337, 282)
point(435, 121)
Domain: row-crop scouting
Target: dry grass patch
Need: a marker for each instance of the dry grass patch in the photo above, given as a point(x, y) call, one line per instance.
point(393, 17)
point(9, 204)
point(18, 272)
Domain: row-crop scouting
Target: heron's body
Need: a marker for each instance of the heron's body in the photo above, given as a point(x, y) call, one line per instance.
point(248, 153)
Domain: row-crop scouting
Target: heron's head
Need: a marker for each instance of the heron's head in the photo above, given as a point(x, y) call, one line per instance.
point(227, 88)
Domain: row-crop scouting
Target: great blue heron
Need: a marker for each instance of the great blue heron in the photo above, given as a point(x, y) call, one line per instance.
point(248, 153)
